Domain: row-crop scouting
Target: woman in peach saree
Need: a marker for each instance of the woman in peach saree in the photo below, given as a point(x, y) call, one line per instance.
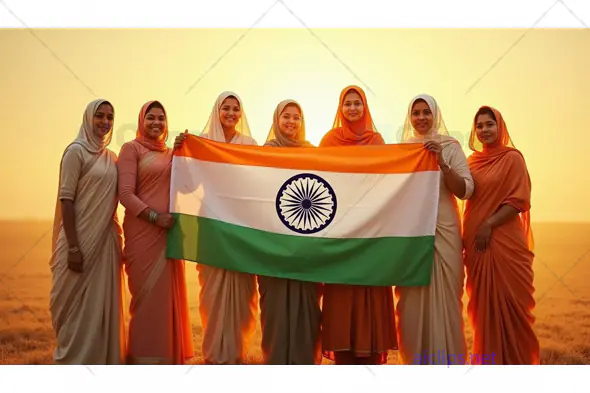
point(228, 300)
point(86, 299)
point(358, 322)
point(499, 247)
point(290, 312)
point(430, 318)
point(159, 329)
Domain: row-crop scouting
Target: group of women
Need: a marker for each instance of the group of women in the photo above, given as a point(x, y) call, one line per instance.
point(483, 233)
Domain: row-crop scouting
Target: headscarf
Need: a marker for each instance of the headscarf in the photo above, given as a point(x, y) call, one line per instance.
point(361, 132)
point(86, 137)
point(439, 129)
point(503, 139)
point(488, 154)
point(277, 138)
point(438, 132)
point(157, 145)
point(214, 130)
point(90, 142)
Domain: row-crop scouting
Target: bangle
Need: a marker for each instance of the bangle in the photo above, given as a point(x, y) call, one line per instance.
point(445, 168)
point(153, 216)
point(73, 250)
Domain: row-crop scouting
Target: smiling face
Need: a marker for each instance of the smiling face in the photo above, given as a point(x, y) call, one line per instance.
point(422, 117)
point(155, 123)
point(352, 106)
point(230, 113)
point(290, 121)
point(102, 122)
point(486, 128)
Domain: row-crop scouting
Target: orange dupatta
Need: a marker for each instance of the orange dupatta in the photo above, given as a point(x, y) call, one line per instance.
point(344, 132)
point(160, 144)
point(516, 188)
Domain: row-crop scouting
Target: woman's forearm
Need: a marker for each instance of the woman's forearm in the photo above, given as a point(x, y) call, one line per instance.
point(145, 214)
point(454, 182)
point(503, 215)
point(69, 222)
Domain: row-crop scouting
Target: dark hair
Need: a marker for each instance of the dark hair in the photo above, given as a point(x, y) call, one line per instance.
point(234, 97)
point(106, 103)
point(293, 105)
point(422, 100)
point(485, 111)
point(352, 90)
point(155, 104)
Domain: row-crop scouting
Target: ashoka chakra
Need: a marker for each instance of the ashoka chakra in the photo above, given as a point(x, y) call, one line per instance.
point(306, 203)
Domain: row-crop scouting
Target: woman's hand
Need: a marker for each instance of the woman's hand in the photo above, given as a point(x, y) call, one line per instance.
point(180, 139)
point(436, 148)
point(165, 221)
point(482, 238)
point(75, 260)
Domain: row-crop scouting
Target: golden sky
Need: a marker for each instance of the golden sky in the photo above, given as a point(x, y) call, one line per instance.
point(540, 86)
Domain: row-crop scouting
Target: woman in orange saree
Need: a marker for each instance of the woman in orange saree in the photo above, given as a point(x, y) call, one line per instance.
point(358, 322)
point(86, 299)
point(499, 247)
point(290, 312)
point(159, 329)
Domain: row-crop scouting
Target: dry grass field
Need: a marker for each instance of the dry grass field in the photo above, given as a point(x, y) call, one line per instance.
point(563, 310)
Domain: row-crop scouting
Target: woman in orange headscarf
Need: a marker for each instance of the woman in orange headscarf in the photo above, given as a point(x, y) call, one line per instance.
point(353, 124)
point(358, 322)
point(499, 247)
point(159, 329)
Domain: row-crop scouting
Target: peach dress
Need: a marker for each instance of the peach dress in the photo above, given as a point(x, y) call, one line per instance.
point(159, 329)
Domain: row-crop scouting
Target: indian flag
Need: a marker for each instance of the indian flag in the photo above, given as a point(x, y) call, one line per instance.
point(359, 215)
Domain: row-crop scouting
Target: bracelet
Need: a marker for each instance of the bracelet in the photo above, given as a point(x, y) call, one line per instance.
point(153, 216)
point(73, 250)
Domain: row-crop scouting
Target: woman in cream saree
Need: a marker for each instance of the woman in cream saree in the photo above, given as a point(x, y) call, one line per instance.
point(86, 299)
point(430, 318)
point(227, 299)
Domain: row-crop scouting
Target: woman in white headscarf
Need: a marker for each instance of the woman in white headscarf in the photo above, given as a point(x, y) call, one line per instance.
point(228, 300)
point(430, 318)
point(86, 299)
point(290, 312)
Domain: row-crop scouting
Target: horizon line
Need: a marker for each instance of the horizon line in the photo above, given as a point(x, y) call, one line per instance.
point(36, 219)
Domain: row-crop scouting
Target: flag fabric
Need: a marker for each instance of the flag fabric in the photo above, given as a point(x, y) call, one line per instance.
point(358, 215)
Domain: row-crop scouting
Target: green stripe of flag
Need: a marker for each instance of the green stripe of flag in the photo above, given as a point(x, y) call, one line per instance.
point(390, 261)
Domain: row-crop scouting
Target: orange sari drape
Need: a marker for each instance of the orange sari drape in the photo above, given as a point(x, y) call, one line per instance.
point(500, 280)
point(359, 319)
